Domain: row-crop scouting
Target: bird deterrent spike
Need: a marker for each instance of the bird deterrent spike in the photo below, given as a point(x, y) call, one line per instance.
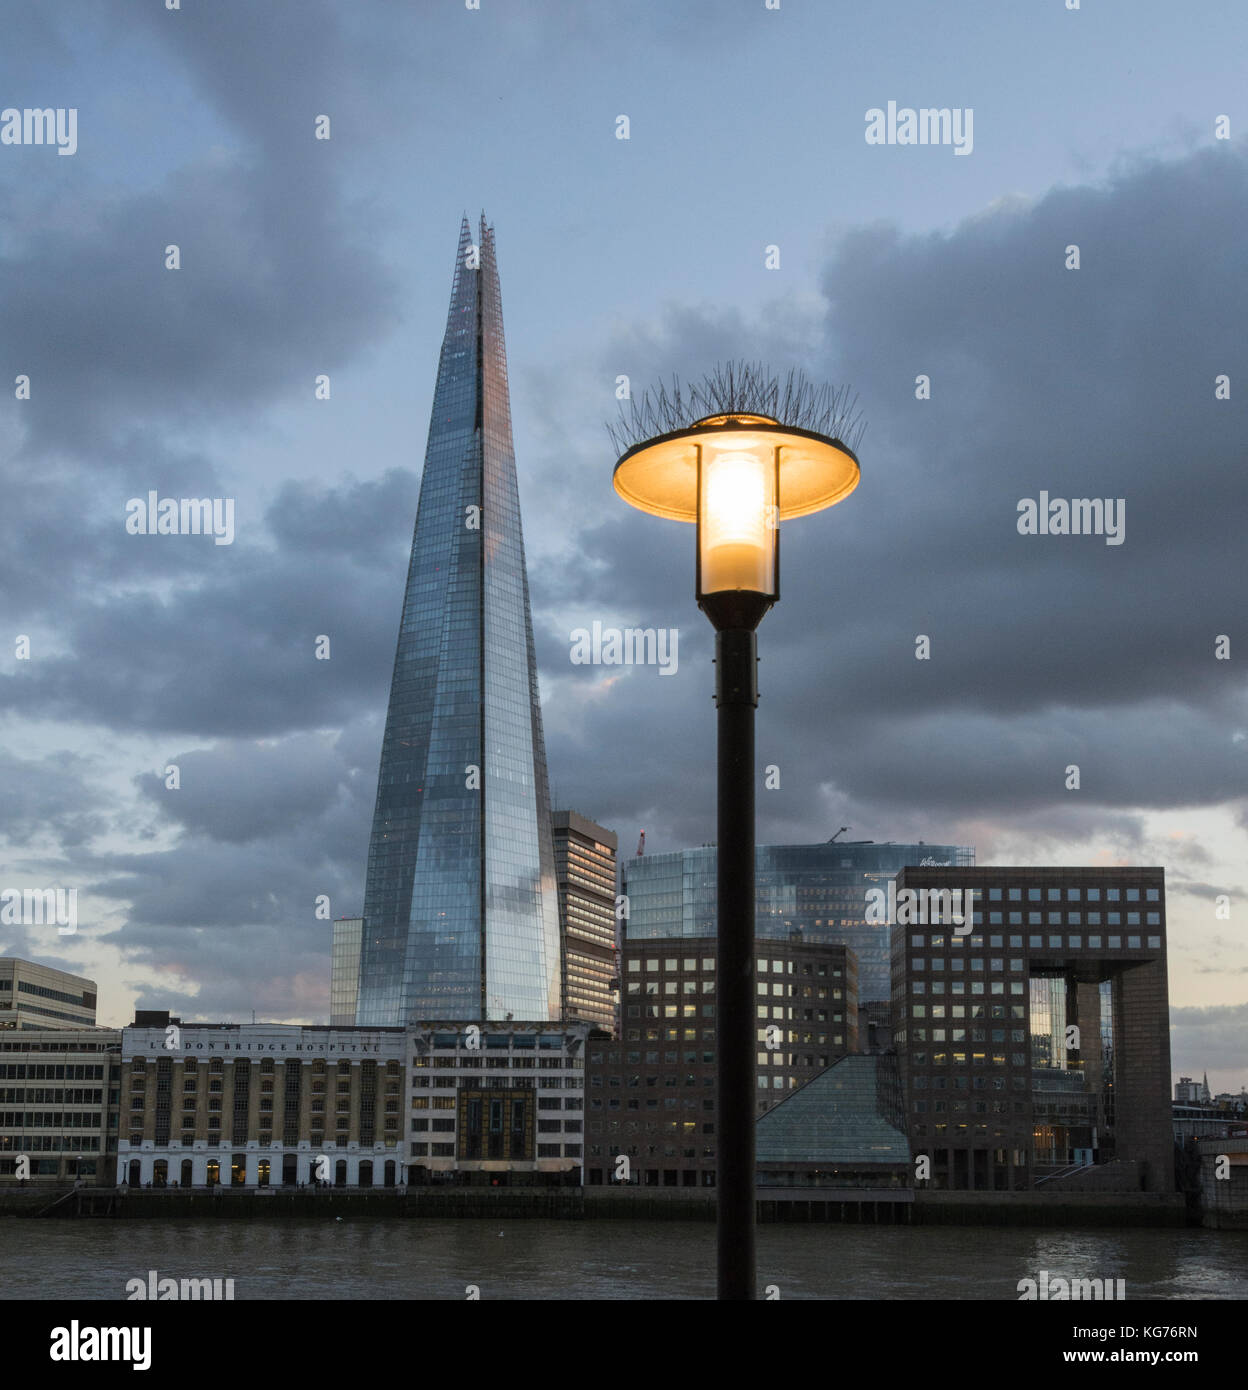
point(740, 388)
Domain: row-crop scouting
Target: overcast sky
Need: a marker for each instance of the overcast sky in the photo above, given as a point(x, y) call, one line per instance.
point(1094, 128)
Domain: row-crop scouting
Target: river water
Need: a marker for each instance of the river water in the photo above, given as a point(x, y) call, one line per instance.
point(440, 1259)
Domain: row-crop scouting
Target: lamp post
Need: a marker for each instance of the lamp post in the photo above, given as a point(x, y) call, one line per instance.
point(736, 474)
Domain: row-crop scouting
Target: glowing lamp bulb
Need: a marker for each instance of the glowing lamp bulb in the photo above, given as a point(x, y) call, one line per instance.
point(738, 521)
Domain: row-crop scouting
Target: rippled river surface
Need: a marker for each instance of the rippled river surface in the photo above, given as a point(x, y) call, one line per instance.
point(440, 1259)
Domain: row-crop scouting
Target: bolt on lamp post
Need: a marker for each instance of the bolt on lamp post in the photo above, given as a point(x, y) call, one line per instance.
point(736, 455)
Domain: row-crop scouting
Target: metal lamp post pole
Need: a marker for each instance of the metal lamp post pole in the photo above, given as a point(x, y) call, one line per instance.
point(727, 471)
point(736, 695)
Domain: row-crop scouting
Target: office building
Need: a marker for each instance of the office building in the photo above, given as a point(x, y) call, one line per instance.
point(1036, 1038)
point(652, 1092)
point(497, 1105)
point(59, 1090)
point(585, 872)
point(461, 912)
point(344, 986)
point(820, 890)
point(36, 996)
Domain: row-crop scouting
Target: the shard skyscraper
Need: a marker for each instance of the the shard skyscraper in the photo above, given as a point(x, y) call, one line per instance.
point(460, 904)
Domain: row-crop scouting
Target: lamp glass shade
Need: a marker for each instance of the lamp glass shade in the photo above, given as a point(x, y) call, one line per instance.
point(660, 475)
point(737, 518)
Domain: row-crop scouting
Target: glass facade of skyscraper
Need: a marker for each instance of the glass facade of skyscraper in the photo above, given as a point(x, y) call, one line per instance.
point(460, 907)
point(818, 890)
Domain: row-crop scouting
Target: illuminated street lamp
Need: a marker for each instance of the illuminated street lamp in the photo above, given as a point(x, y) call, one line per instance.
point(737, 455)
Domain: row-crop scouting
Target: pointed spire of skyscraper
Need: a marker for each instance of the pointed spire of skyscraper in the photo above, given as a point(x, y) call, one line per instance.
point(460, 907)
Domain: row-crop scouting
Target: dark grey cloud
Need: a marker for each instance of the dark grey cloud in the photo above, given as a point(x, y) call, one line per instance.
point(107, 334)
point(1046, 651)
point(48, 807)
point(232, 651)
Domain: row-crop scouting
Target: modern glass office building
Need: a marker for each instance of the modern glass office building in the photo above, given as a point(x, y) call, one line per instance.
point(460, 905)
point(818, 890)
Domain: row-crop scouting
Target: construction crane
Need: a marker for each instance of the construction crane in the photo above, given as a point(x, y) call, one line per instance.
point(641, 845)
point(841, 831)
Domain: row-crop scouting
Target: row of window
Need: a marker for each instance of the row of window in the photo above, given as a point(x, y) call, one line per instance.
point(472, 1058)
point(969, 1108)
point(978, 1059)
point(53, 1143)
point(1071, 919)
point(443, 1150)
point(265, 1136)
point(775, 967)
point(1074, 895)
point(920, 987)
point(996, 941)
point(50, 1119)
point(1035, 942)
point(57, 1095)
point(995, 1011)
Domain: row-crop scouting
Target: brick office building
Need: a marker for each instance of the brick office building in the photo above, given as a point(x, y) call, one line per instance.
point(256, 1105)
point(651, 1094)
point(1039, 1039)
